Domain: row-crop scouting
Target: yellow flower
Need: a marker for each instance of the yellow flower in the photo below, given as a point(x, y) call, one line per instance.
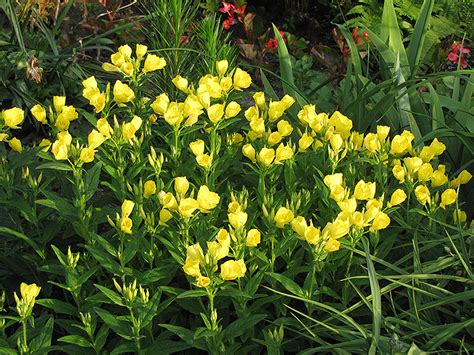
point(174, 115)
point(128, 131)
point(126, 225)
point(259, 98)
point(364, 190)
point(122, 93)
point(382, 133)
point(13, 117)
point(215, 112)
point(203, 281)
point(276, 110)
point(438, 178)
point(299, 225)
point(258, 125)
point(381, 221)
point(233, 269)
point(287, 101)
point(342, 124)
point(125, 50)
point(274, 138)
point(98, 101)
point(149, 188)
point(397, 197)
point(127, 208)
point(191, 267)
point(140, 50)
point(181, 83)
point(207, 199)
point(401, 144)
point(45, 144)
point(87, 154)
point(232, 109)
point(251, 113)
point(117, 59)
point(168, 201)
point(249, 151)
point(89, 83)
point(464, 177)
point(437, 147)
point(217, 251)
point(242, 79)
point(307, 114)
point(181, 185)
point(448, 197)
point(29, 293)
point(283, 152)
point(197, 147)
point(426, 154)
point(187, 206)
point(312, 234)
point(338, 194)
point(3, 137)
point(425, 172)
point(152, 63)
point(266, 156)
point(223, 237)
point(165, 216)
point(60, 150)
point(204, 160)
point(253, 238)
point(283, 216)
point(39, 113)
point(127, 68)
point(459, 215)
point(160, 105)
point(332, 245)
point(58, 103)
point(333, 180)
point(340, 227)
point(104, 127)
point(237, 219)
point(284, 128)
point(348, 206)
point(356, 140)
point(221, 66)
point(336, 142)
point(95, 139)
point(412, 164)
point(399, 173)
point(372, 143)
point(233, 207)
point(15, 144)
point(305, 142)
point(226, 83)
point(422, 194)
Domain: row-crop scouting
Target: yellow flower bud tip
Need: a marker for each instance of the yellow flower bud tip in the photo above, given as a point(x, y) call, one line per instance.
point(222, 66)
point(149, 188)
point(13, 117)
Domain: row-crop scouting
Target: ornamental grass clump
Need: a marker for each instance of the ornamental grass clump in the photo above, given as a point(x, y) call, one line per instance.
point(189, 212)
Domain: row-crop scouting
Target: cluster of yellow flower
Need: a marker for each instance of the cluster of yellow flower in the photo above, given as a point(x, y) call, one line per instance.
point(199, 99)
point(12, 118)
point(197, 263)
point(28, 293)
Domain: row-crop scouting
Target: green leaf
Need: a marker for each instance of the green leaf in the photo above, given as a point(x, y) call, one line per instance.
point(120, 327)
point(241, 325)
point(287, 283)
point(54, 165)
point(417, 40)
point(58, 306)
point(286, 69)
point(29, 241)
point(415, 350)
point(111, 295)
point(192, 294)
point(43, 340)
point(185, 334)
point(76, 340)
point(91, 180)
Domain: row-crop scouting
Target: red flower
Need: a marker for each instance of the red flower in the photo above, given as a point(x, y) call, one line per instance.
point(458, 50)
point(227, 8)
point(231, 10)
